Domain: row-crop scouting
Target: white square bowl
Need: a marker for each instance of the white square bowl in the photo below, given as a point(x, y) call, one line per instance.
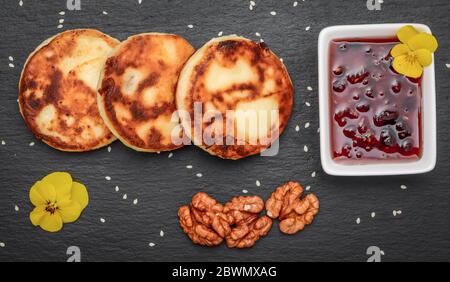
point(427, 160)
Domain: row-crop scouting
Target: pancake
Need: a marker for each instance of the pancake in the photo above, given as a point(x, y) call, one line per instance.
point(136, 95)
point(57, 90)
point(232, 73)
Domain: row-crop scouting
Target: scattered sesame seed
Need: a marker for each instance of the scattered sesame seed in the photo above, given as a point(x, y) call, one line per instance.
point(261, 40)
point(109, 149)
point(403, 187)
point(309, 88)
point(139, 2)
point(307, 188)
point(20, 3)
point(358, 220)
point(399, 212)
point(199, 174)
point(305, 148)
point(161, 233)
point(151, 244)
point(170, 155)
point(318, 129)
point(381, 251)
point(102, 220)
point(307, 125)
point(105, 13)
point(295, 4)
point(189, 166)
point(31, 144)
point(62, 13)
point(190, 26)
point(135, 201)
point(258, 34)
point(60, 26)
point(297, 128)
point(11, 58)
point(273, 13)
point(108, 178)
point(125, 196)
point(258, 183)
point(11, 65)
point(313, 174)
point(252, 3)
point(307, 28)
point(308, 104)
point(245, 191)
point(372, 214)
point(281, 59)
point(448, 66)
point(250, 7)
point(3, 142)
point(16, 207)
point(394, 212)
point(2, 244)
point(220, 33)
point(116, 188)
point(61, 21)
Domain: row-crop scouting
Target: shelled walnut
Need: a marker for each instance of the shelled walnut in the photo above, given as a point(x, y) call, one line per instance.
point(294, 213)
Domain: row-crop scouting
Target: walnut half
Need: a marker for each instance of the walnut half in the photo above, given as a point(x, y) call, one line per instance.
point(294, 213)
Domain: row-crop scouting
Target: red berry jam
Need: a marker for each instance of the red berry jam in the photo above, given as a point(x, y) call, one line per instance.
point(375, 112)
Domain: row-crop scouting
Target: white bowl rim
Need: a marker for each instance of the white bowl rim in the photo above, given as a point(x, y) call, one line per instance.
point(427, 161)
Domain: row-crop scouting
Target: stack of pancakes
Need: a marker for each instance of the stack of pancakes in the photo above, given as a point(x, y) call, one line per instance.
point(81, 89)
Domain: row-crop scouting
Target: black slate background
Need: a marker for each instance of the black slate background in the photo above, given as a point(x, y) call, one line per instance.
point(162, 184)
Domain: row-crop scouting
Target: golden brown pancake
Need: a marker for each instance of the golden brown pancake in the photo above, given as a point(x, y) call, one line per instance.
point(232, 73)
point(136, 95)
point(57, 90)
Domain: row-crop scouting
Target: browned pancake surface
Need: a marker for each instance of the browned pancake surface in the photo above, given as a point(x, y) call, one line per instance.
point(137, 93)
point(57, 90)
point(235, 74)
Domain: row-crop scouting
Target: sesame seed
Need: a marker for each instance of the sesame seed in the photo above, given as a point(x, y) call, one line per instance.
point(190, 26)
point(309, 88)
point(105, 13)
point(399, 212)
point(358, 220)
point(250, 7)
point(307, 28)
point(151, 244)
point(60, 26)
point(305, 148)
point(20, 3)
point(62, 13)
point(261, 40)
point(281, 59)
point(273, 13)
point(307, 125)
point(16, 207)
point(244, 191)
point(307, 188)
point(31, 144)
point(308, 104)
point(116, 188)
point(125, 196)
point(394, 212)
point(11, 65)
point(170, 155)
point(258, 183)
point(61, 21)
point(258, 34)
point(2, 244)
point(11, 58)
point(297, 128)
point(189, 166)
point(109, 149)
point(161, 233)
point(3, 142)
point(448, 66)
point(372, 214)
point(139, 2)
point(108, 178)
point(102, 220)
point(318, 129)
point(403, 187)
point(295, 4)
point(135, 201)
point(220, 33)
point(252, 3)
point(313, 174)
point(199, 175)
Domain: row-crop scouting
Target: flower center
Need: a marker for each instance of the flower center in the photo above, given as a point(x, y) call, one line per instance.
point(51, 207)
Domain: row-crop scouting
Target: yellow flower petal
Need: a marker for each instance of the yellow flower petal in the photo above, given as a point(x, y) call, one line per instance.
point(424, 57)
point(51, 222)
point(80, 194)
point(404, 65)
point(423, 41)
point(69, 211)
point(399, 49)
point(62, 181)
point(406, 33)
point(37, 214)
point(41, 193)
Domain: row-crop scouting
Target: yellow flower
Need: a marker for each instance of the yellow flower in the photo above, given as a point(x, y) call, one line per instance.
point(57, 200)
point(414, 53)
